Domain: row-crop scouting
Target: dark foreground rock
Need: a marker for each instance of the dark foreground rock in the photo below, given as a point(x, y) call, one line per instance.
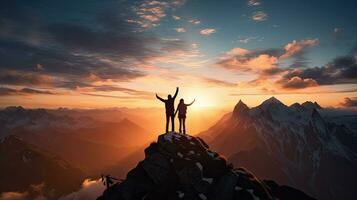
point(182, 167)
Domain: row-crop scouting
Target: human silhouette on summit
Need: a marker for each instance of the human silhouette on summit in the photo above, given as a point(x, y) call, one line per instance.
point(182, 109)
point(170, 109)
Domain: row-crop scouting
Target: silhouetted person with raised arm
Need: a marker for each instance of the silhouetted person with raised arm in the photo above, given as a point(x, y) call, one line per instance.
point(182, 110)
point(170, 109)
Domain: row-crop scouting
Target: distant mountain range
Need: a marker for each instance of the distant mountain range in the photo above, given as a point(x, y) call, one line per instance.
point(58, 149)
point(294, 145)
point(76, 136)
point(25, 167)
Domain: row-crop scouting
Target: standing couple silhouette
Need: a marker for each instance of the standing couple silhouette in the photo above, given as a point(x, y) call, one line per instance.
point(171, 113)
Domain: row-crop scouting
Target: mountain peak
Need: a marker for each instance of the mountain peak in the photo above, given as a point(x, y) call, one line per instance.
point(180, 166)
point(271, 101)
point(240, 109)
point(311, 105)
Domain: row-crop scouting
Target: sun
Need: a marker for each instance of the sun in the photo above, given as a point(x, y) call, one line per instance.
point(203, 98)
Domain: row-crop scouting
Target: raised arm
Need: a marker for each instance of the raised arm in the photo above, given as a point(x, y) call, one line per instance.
point(159, 98)
point(177, 89)
point(191, 102)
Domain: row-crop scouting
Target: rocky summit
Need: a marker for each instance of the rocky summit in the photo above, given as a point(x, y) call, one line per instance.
point(180, 166)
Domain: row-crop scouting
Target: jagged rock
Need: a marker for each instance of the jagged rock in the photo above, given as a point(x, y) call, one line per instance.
point(182, 167)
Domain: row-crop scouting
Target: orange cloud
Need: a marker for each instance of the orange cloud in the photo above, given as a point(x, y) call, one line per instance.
point(295, 47)
point(244, 60)
point(298, 83)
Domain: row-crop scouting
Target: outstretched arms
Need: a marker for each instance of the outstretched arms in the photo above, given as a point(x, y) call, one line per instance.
point(177, 89)
point(159, 98)
point(191, 102)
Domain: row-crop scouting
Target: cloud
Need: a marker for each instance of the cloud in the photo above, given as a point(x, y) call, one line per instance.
point(175, 17)
point(71, 54)
point(12, 77)
point(194, 21)
point(207, 31)
point(349, 102)
point(298, 83)
point(259, 16)
point(342, 70)
point(240, 59)
point(337, 30)
point(4, 91)
point(91, 190)
point(266, 61)
point(269, 69)
point(246, 40)
point(253, 3)
point(180, 30)
point(35, 193)
point(296, 47)
point(13, 196)
point(265, 91)
point(216, 82)
point(150, 12)
point(129, 93)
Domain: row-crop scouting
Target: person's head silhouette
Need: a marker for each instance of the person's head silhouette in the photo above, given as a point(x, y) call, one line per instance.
point(169, 96)
point(182, 101)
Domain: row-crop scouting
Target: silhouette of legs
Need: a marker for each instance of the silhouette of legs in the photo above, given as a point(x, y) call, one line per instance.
point(168, 116)
point(172, 123)
point(184, 125)
point(180, 121)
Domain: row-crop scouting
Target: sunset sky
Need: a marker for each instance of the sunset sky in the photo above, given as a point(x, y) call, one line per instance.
point(117, 53)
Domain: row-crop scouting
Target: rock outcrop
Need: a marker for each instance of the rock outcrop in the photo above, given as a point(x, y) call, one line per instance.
point(180, 166)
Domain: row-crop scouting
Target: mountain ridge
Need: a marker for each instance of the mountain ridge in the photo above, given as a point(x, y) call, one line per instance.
point(180, 166)
point(295, 142)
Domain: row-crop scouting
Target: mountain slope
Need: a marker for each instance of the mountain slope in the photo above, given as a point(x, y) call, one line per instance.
point(74, 135)
point(180, 166)
point(23, 165)
point(291, 144)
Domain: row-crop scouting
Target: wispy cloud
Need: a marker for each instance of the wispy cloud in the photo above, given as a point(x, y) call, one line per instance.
point(259, 16)
point(246, 40)
point(194, 21)
point(207, 31)
point(180, 30)
point(296, 47)
point(253, 3)
point(150, 12)
point(217, 82)
point(175, 17)
point(4, 91)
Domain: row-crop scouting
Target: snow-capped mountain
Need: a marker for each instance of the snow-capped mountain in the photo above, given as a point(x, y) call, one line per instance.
point(293, 144)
